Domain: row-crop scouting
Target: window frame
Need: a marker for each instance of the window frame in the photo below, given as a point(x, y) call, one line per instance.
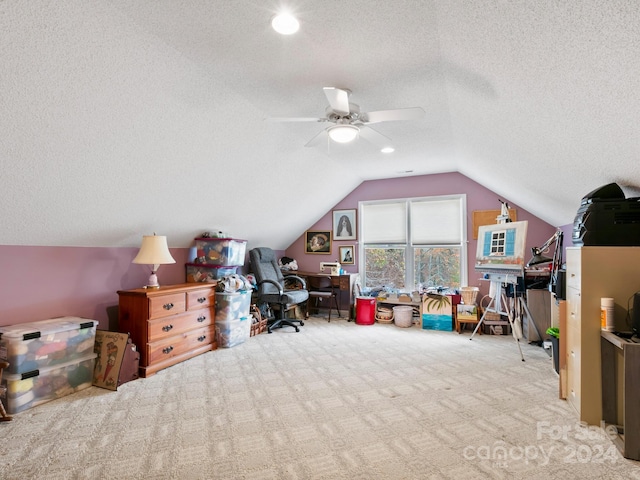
point(409, 247)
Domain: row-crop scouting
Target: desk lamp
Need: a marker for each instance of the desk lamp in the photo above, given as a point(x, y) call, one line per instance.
point(539, 259)
point(155, 252)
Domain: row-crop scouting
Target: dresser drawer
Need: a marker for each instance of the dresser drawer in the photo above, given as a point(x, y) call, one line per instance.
point(165, 305)
point(573, 260)
point(200, 299)
point(574, 307)
point(178, 344)
point(169, 326)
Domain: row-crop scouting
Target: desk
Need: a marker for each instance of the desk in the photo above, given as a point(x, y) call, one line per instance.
point(621, 391)
point(345, 284)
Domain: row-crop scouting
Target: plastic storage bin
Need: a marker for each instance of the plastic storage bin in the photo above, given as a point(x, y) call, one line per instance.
point(231, 306)
point(29, 389)
point(37, 345)
point(233, 332)
point(227, 252)
point(198, 272)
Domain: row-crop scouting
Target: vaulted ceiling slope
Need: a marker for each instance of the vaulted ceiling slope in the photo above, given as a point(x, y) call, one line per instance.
point(122, 118)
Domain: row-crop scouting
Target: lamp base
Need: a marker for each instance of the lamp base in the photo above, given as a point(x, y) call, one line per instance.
point(153, 281)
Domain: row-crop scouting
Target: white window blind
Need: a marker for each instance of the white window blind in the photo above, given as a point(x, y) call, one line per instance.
point(385, 222)
point(436, 222)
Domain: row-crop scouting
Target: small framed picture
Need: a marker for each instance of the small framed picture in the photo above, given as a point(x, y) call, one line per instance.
point(346, 255)
point(344, 224)
point(317, 242)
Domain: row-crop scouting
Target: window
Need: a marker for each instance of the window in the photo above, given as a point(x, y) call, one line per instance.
point(414, 241)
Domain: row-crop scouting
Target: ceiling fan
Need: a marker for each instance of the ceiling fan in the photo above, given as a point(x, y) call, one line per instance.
point(349, 123)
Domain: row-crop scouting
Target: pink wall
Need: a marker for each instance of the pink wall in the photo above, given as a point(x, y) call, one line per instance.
point(47, 282)
point(478, 198)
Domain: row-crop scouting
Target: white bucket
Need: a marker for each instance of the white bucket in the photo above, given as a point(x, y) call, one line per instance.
point(403, 316)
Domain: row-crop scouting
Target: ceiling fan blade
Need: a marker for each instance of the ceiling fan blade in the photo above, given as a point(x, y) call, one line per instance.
point(319, 138)
point(338, 99)
point(374, 137)
point(413, 113)
point(295, 119)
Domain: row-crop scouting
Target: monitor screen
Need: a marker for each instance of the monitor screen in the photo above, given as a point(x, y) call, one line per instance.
point(501, 248)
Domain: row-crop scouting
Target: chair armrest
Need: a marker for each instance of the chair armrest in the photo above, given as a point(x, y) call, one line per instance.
point(274, 283)
point(297, 279)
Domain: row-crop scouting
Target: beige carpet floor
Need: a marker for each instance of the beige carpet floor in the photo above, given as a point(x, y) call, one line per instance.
point(335, 401)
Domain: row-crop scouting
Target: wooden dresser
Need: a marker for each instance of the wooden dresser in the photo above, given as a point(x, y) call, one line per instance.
point(169, 324)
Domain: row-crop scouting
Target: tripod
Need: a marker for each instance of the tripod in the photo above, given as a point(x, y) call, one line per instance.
point(495, 306)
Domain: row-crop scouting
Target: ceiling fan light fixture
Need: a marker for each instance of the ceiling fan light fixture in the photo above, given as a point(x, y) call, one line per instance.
point(285, 24)
point(343, 133)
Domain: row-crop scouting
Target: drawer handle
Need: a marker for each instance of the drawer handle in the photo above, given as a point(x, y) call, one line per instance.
point(202, 299)
point(167, 350)
point(202, 338)
point(202, 318)
point(167, 328)
point(168, 306)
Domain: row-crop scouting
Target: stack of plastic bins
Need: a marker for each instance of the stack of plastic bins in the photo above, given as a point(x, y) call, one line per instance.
point(232, 322)
point(47, 360)
point(215, 259)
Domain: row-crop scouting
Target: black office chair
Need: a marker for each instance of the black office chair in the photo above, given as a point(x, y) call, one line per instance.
point(272, 290)
point(322, 288)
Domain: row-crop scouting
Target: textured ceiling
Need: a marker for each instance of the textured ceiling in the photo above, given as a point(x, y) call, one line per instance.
point(122, 118)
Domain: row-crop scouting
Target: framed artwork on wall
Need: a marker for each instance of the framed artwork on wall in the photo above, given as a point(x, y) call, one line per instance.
point(317, 242)
point(344, 224)
point(346, 255)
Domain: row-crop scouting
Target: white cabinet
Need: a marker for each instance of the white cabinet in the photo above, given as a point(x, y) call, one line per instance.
point(593, 273)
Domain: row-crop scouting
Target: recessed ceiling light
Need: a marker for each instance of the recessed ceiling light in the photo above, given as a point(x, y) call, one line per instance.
point(387, 150)
point(285, 24)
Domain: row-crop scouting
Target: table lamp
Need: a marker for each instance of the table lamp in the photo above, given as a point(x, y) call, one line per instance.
point(155, 252)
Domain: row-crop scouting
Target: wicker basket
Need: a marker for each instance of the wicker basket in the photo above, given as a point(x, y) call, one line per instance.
point(258, 324)
point(384, 315)
point(469, 295)
point(483, 307)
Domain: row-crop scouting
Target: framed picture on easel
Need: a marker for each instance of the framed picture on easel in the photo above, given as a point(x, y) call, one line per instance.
point(344, 224)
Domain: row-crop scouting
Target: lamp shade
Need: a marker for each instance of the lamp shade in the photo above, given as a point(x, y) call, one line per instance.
point(343, 133)
point(154, 251)
point(537, 258)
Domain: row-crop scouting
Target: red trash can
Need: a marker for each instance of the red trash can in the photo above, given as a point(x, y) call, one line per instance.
point(365, 310)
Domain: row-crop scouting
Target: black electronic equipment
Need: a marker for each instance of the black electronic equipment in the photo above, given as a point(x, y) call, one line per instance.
point(635, 314)
point(560, 288)
point(607, 218)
